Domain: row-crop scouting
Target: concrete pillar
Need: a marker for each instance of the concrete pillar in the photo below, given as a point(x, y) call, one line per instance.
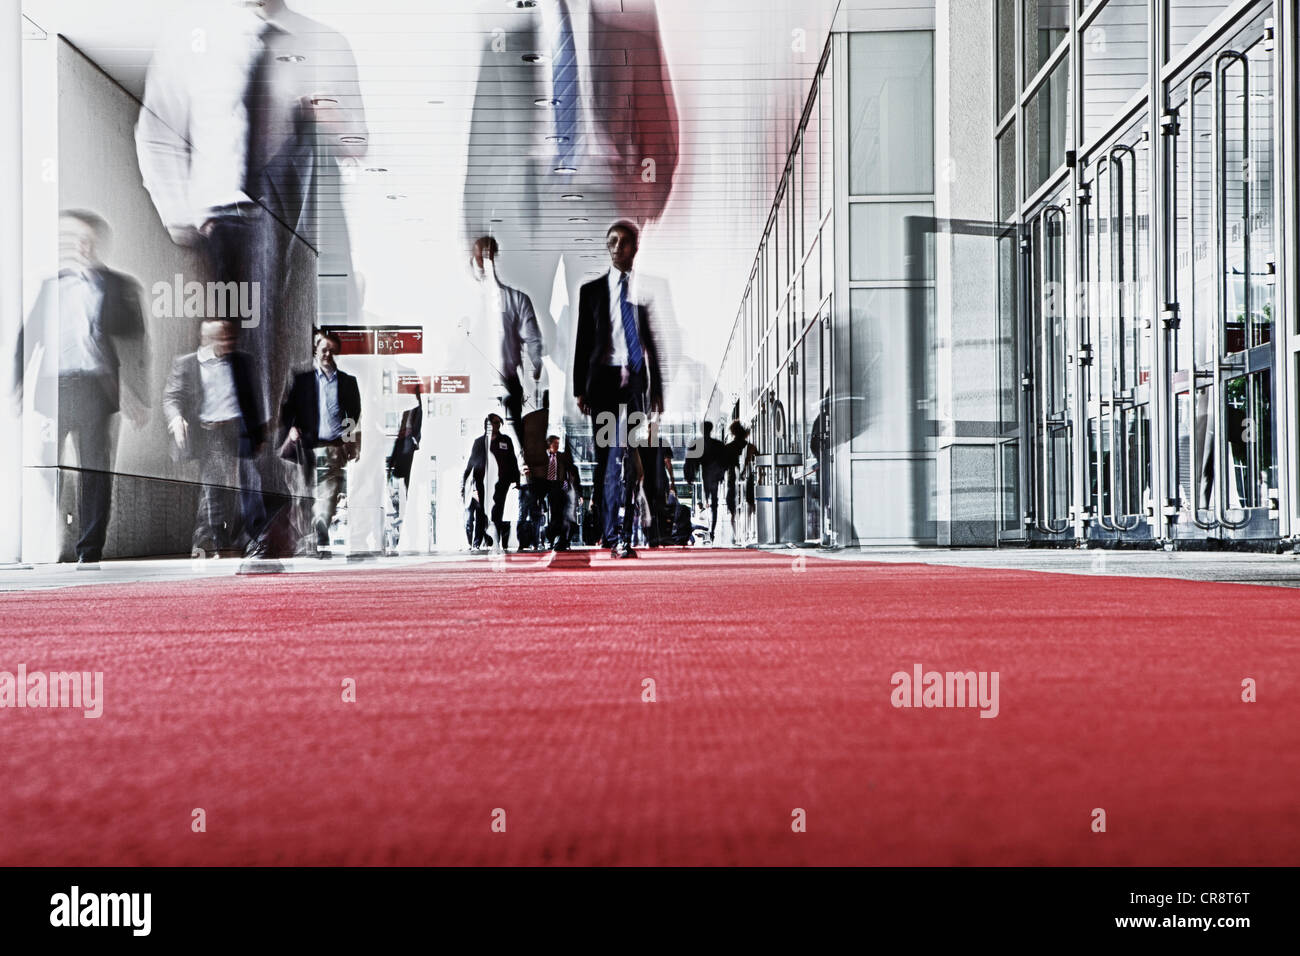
point(11, 275)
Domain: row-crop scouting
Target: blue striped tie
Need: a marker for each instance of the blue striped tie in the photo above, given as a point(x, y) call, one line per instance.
point(564, 87)
point(634, 356)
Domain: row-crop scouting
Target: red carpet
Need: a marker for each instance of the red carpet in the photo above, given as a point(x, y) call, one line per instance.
point(519, 687)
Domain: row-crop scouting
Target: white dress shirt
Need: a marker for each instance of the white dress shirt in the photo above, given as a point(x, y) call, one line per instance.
point(618, 338)
point(80, 300)
point(220, 403)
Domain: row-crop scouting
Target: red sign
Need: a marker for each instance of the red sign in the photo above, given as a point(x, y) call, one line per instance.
point(451, 385)
point(399, 341)
point(355, 341)
point(409, 384)
point(379, 340)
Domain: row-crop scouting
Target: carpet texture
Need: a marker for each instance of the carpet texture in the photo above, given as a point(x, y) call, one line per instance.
point(517, 686)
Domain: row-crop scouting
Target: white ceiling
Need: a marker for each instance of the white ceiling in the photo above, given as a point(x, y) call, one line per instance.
point(739, 78)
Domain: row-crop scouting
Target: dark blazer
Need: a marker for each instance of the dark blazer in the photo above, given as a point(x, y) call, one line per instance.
point(301, 406)
point(712, 461)
point(503, 449)
point(120, 318)
point(183, 396)
point(594, 340)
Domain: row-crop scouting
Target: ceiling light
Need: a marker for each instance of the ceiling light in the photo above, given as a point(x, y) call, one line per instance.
point(584, 240)
point(292, 58)
point(579, 219)
point(566, 169)
point(376, 169)
point(572, 197)
point(557, 139)
point(396, 195)
point(496, 220)
point(324, 101)
point(523, 4)
point(546, 101)
point(352, 140)
point(532, 58)
point(435, 102)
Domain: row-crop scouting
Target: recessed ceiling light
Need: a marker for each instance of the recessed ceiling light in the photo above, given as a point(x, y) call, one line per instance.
point(584, 240)
point(532, 58)
point(557, 139)
point(579, 219)
point(546, 101)
point(292, 58)
point(435, 102)
point(496, 220)
point(566, 169)
point(352, 140)
point(376, 169)
point(324, 101)
point(572, 197)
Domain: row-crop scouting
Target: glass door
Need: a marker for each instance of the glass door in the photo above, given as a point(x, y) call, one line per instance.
point(1221, 338)
point(1116, 353)
point(1049, 392)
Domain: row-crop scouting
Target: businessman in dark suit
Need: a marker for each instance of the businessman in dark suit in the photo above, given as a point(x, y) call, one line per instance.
point(707, 459)
point(561, 483)
point(87, 327)
point(616, 377)
point(321, 409)
point(210, 406)
point(491, 461)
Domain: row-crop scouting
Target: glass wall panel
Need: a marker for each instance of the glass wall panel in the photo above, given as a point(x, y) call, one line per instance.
point(1047, 22)
point(1008, 356)
point(883, 357)
point(1114, 62)
point(811, 182)
point(1047, 124)
point(891, 113)
point(1187, 18)
point(1006, 78)
point(1007, 201)
point(878, 242)
point(827, 98)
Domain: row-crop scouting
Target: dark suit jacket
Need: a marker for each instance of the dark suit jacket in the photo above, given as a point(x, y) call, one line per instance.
point(594, 340)
point(503, 449)
point(120, 319)
point(712, 462)
point(301, 407)
point(183, 396)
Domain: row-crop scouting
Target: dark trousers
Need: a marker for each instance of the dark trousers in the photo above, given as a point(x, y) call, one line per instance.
point(612, 447)
point(476, 527)
point(557, 503)
point(711, 500)
point(230, 496)
point(87, 415)
point(249, 248)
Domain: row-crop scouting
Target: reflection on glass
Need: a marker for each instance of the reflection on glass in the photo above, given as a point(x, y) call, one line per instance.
point(1046, 24)
point(1114, 48)
point(1047, 121)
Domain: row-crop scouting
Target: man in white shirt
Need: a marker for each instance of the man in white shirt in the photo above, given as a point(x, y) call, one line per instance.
point(87, 332)
point(247, 106)
point(211, 411)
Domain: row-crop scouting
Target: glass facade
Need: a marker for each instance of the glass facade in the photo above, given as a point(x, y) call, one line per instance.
point(1144, 280)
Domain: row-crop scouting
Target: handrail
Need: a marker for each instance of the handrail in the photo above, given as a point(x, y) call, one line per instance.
point(1045, 525)
point(1103, 169)
point(1194, 466)
point(1117, 341)
point(1219, 179)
